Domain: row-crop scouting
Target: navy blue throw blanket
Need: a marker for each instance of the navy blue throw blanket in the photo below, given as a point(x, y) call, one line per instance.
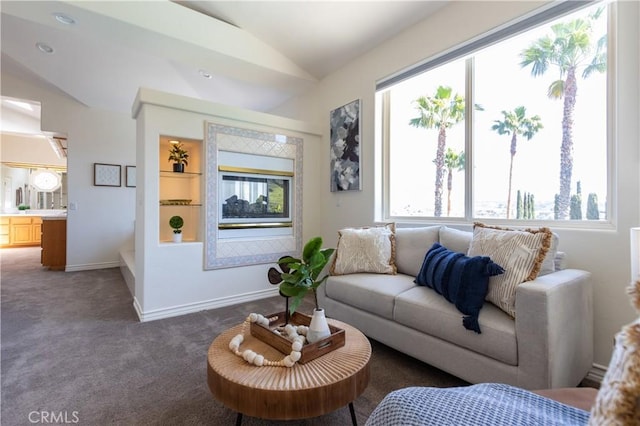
point(462, 280)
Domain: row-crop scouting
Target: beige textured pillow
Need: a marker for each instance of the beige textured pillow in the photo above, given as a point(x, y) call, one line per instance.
point(365, 250)
point(520, 253)
point(618, 400)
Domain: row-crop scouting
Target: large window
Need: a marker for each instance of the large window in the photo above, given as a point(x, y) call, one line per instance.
point(515, 129)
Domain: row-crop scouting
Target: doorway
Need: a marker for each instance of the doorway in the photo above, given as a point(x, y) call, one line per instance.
point(34, 163)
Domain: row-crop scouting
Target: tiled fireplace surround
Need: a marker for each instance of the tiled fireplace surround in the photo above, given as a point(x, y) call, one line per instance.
point(249, 149)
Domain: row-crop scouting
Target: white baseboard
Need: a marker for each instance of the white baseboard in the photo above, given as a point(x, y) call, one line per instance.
point(138, 309)
point(156, 314)
point(91, 266)
point(596, 373)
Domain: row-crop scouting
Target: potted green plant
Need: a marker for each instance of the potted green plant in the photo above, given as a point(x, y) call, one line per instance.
point(176, 223)
point(23, 208)
point(298, 276)
point(179, 156)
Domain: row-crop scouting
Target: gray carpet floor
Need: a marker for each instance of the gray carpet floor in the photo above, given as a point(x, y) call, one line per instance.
point(71, 343)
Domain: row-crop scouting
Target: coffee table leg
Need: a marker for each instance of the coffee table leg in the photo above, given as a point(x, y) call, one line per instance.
point(239, 419)
point(353, 414)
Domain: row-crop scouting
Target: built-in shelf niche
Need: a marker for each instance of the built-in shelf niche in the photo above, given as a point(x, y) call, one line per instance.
point(180, 194)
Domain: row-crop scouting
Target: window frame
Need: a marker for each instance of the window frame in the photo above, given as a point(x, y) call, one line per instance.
point(468, 48)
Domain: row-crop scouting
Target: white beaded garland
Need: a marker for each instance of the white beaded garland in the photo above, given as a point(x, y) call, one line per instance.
point(295, 355)
point(294, 333)
point(288, 362)
point(258, 360)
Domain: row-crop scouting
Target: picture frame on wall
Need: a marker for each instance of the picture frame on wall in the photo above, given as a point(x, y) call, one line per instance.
point(130, 176)
point(107, 174)
point(345, 147)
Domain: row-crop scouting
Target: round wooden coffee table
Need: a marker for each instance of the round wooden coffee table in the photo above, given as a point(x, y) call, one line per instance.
point(317, 387)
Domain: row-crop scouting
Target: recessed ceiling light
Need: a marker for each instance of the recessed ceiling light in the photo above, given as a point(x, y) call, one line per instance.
point(205, 74)
point(173, 141)
point(44, 48)
point(64, 19)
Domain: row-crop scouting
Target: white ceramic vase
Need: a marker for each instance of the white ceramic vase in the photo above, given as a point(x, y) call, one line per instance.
point(177, 238)
point(319, 328)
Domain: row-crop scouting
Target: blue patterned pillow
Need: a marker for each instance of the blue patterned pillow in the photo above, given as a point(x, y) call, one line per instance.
point(462, 280)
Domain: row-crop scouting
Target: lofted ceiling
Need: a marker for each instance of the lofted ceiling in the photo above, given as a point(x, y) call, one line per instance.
point(251, 54)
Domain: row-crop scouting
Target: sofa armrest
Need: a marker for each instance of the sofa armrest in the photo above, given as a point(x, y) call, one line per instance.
point(554, 328)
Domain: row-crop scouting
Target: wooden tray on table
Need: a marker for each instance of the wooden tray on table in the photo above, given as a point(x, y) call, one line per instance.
point(310, 351)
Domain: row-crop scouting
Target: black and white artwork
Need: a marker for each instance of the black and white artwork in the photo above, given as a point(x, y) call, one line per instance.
point(345, 147)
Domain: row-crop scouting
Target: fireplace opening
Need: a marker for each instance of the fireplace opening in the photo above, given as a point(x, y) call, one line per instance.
point(250, 200)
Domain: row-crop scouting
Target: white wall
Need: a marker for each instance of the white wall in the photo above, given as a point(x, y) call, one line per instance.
point(103, 221)
point(169, 278)
point(604, 253)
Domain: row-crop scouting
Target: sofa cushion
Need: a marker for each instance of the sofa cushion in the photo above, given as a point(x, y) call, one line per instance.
point(460, 279)
point(373, 293)
point(560, 261)
point(423, 309)
point(520, 253)
point(549, 263)
point(370, 249)
point(455, 239)
point(411, 245)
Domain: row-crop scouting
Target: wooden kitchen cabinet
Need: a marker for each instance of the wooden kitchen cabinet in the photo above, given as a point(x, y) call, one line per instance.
point(19, 231)
point(4, 231)
point(54, 243)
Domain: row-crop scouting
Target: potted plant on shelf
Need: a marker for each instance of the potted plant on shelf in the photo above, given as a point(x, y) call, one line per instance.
point(176, 223)
point(179, 156)
point(297, 276)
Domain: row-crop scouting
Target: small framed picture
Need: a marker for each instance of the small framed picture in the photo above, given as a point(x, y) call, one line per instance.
point(107, 174)
point(130, 176)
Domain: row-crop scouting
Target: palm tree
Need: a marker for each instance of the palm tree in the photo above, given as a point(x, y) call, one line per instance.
point(516, 123)
point(440, 112)
point(452, 162)
point(570, 48)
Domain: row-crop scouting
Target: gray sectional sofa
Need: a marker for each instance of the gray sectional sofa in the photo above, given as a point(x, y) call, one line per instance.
point(549, 344)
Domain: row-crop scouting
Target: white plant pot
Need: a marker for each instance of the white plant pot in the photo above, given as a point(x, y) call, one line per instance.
point(177, 238)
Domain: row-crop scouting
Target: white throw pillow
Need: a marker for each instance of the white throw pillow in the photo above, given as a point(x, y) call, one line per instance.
point(365, 250)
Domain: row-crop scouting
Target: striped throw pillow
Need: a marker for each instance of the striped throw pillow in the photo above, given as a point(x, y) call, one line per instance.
point(520, 253)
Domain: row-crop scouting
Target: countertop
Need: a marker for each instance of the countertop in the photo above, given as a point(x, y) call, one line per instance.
point(44, 214)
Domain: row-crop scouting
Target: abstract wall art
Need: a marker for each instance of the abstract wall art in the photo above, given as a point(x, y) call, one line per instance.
point(345, 147)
